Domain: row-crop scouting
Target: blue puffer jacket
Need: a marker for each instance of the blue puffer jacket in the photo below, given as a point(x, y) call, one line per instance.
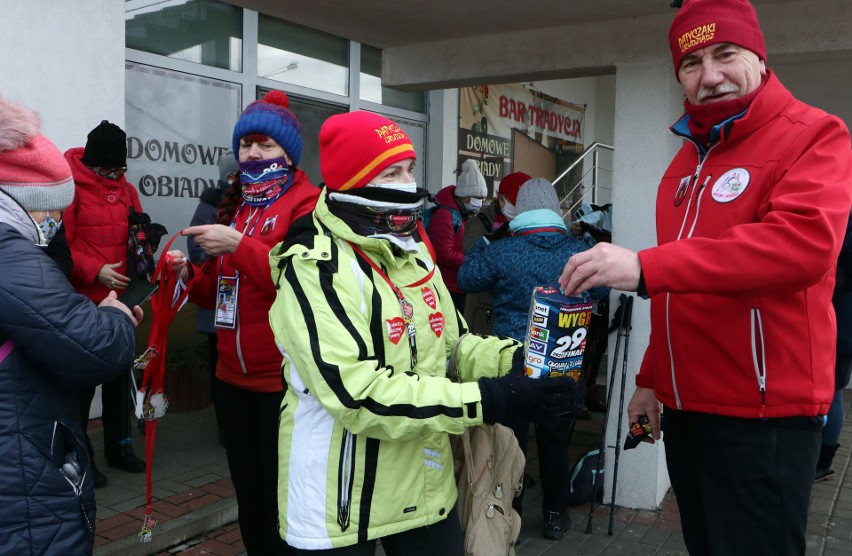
point(60, 341)
point(511, 267)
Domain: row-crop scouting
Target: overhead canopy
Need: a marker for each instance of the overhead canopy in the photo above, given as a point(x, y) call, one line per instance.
point(448, 43)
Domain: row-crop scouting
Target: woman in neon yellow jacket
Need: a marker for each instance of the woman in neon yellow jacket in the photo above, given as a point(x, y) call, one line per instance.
point(366, 325)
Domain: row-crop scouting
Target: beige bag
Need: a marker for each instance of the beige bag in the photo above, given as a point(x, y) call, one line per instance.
point(489, 473)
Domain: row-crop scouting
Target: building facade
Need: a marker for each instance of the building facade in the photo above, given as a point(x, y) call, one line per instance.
point(176, 73)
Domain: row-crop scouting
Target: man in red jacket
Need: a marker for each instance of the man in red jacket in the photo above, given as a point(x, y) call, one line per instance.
point(751, 215)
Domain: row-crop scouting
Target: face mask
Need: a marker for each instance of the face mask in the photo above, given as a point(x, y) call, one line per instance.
point(509, 210)
point(264, 181)
point(49, 227)
point(368, 220)
point(404, 187)
point(474, 205)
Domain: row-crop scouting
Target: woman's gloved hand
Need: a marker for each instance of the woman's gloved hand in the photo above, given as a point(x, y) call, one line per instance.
point(516, 397)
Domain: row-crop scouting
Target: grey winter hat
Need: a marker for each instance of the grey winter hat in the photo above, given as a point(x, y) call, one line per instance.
point(537, 193)
point(471, 183)
point(227, 165)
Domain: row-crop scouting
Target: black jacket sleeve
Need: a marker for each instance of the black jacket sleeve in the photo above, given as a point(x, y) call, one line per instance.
point(58, 250)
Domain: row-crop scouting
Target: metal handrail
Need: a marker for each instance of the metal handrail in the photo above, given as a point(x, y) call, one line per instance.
point(593, 150)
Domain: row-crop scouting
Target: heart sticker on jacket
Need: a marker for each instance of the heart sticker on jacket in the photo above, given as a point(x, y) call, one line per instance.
point(395, 327)
point(429, 297)
point(436, 321)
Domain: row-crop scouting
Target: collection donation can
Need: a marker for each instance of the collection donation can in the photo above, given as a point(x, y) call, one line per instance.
point(556, 333)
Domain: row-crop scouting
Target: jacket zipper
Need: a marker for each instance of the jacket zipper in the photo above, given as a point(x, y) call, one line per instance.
point(345, 478)
point(759, 362)
point(78, 490)
point(240, 347)
point(695, 194)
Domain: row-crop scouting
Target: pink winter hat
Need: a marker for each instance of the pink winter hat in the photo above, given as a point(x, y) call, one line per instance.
point(32, 170)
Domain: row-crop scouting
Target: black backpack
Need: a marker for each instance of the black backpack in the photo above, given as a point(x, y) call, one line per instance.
point(586, 471)
point(427, 215)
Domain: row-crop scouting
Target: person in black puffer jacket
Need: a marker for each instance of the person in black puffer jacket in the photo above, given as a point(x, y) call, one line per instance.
point(52, 342)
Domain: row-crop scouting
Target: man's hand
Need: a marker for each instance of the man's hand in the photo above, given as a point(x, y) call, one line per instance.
point(604, 264)
point(215, 239)
point(112, 279)
point(111, 300)
point(645, 403)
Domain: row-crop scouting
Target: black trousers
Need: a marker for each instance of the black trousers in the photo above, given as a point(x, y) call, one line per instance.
point(742, 485)
point(115, 397)
point(552, 440)
point(213, 355)
point(444, 538)
point(250, 424)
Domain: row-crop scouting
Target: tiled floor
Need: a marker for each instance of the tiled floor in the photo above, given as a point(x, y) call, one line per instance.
point(195, 506)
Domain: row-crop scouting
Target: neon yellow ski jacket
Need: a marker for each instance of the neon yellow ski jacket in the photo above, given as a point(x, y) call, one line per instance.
point(363, 444)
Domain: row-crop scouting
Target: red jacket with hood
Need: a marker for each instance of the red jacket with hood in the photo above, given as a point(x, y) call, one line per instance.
point(449, 252)
point(96, 225)
point(741, 282)
point(248, 356)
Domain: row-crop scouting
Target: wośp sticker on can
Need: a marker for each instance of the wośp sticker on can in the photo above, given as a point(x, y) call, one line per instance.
point(556, 333)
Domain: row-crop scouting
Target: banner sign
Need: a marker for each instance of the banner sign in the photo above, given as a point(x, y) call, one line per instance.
point(489, 113)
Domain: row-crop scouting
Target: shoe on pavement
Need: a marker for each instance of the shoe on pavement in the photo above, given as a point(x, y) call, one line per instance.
point(823, 474)
point(556, 524)
point(128, 462)
point(98, 479)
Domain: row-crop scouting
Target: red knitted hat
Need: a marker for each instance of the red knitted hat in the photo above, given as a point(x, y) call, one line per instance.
point(356, 146)
point(701, 23)
point(32, 170)
point(511, 184)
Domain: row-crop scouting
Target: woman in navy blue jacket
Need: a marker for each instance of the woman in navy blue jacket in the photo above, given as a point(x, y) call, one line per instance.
point(52, 341)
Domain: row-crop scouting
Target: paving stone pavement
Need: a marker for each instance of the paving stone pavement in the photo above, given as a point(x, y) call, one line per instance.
point(196, 509)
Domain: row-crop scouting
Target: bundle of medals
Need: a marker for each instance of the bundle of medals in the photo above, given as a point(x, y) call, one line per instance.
point(151, 402)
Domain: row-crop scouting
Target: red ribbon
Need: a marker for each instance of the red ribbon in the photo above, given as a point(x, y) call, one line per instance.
point(165, 303)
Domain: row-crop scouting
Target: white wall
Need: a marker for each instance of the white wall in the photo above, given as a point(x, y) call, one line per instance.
point(647, 99)
point(825, 83)
point(65, 60)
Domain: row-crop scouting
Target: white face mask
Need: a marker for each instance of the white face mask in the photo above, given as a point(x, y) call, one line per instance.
point(509, 210)
point(474, 205)
point(404, 187)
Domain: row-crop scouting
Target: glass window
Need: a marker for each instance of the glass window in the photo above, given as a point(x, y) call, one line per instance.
point(201, 31)
point(373, 91)
point(294, 54)
point(311, 114)
point(178, 126)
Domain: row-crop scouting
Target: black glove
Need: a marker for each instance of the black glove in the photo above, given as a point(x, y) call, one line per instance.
point(516, 397)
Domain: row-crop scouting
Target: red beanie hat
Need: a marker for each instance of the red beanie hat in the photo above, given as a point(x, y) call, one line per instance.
point(701, 23)
point(356, 146)
point(32, 170)
point(511, 184)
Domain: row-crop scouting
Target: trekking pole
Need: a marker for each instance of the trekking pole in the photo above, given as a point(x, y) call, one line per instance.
point(628, 313)
point(602, 447)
